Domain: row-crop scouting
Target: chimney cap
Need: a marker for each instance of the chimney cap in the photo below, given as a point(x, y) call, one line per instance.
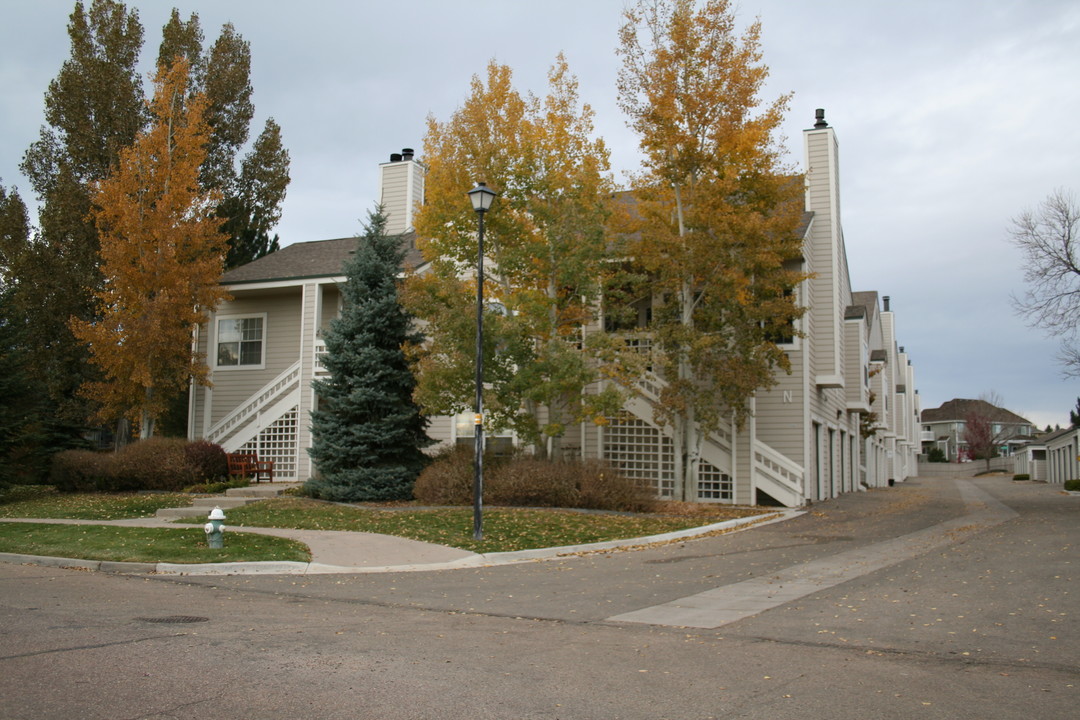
point(395, 157)
point(819, 116)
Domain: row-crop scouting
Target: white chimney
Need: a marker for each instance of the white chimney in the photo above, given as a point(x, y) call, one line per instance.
point(401, 190)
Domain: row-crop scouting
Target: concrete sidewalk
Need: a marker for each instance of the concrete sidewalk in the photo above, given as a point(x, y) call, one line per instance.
point(357, 552)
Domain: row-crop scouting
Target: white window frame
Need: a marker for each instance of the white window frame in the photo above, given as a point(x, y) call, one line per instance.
point(261, 365)
point(796, 323)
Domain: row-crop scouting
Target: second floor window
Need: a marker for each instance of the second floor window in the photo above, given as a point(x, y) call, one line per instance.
point(240, 341)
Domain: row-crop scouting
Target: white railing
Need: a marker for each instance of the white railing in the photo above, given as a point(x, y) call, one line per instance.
point(777, 474)
point(781, 475)
point(650, 385)
point(320, 353)
point(269, 393)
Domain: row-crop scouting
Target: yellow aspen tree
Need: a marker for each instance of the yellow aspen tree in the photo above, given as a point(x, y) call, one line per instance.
point(162, 255)
point(716, 213)
point(544, 244)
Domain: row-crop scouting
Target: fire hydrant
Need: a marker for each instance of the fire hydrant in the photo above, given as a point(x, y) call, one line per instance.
point(215, 529)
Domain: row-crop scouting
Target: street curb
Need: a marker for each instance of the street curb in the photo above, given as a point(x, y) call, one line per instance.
point(471, 561)
point(17, 559)
point(689, 533)
point(269, 567)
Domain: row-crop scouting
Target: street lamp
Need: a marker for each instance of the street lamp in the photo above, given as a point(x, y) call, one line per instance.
point(481, 197)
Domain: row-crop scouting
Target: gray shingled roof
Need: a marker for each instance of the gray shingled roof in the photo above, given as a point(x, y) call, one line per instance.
point(320, 258)
point(326, 258)
point(959, 408)
point(862, 305)
point(1043, 439)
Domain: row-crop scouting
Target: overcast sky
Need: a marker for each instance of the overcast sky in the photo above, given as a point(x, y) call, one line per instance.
point(952, 117)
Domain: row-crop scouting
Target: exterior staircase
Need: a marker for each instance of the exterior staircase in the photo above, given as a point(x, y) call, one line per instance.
point(243, 423)
point(771, 471)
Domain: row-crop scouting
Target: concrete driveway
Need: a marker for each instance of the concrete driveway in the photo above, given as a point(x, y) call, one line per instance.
point(935, 599)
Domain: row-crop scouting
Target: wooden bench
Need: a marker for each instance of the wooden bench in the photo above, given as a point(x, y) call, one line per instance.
point(247, 465)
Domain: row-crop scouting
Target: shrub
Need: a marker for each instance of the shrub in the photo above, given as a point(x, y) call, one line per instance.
point(1072, 485)
point(80, 470)
point(602, 487)
point(531, 482)
point(207, 461)
point(448, 479)
point(152, 464)
point(936, 455)
point(1021, 476)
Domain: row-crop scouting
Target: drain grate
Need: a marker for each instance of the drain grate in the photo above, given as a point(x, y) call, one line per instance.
point(176, 619)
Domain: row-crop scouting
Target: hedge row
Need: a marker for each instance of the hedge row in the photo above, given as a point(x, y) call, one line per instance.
point(153, 464)
point(528, 482)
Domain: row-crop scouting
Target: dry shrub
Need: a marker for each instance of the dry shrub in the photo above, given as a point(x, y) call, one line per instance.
point(152, 464)
point(526, 481)
point(602, 487)
point(79, 470)
point(207, 461)
point(530, 482)
point(448, 479)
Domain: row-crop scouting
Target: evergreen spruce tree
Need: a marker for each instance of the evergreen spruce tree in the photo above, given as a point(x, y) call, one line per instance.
point(368, 434)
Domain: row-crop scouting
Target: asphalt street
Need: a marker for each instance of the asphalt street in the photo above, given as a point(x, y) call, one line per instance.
point(932, 599)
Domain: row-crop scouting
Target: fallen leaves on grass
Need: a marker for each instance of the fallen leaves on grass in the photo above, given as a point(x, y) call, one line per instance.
point(505, 529)
point(45, 502)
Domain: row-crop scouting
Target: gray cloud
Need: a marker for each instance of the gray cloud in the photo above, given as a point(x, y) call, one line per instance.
point(951, 117)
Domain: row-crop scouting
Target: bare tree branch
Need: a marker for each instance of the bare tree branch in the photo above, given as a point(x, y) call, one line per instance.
point(1048, 236)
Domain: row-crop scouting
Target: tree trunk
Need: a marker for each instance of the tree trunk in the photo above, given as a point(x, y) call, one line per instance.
point(122, 436)
point(688, 459)
point(146, 420)
point(678, 425)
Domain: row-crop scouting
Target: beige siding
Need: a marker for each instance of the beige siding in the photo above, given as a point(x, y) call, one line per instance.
point(825, 251)
point(855, 359)
point(200, 394)
point(781, 414)
point(331, 302)
point(306, 341)
point(402, 193)
point(441, 429)
point(281, 346)
point(395, 181)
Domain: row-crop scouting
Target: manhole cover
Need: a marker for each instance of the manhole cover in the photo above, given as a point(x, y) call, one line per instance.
point(175, 619)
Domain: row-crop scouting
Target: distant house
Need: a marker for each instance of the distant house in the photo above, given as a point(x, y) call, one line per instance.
point(1061, 450)
point(944, 427)
point(1030, 459)
point(844, 419)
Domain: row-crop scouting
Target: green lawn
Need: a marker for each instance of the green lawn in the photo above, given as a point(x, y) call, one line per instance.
point(505, 529)
point(36, 501)
point(128, 544)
